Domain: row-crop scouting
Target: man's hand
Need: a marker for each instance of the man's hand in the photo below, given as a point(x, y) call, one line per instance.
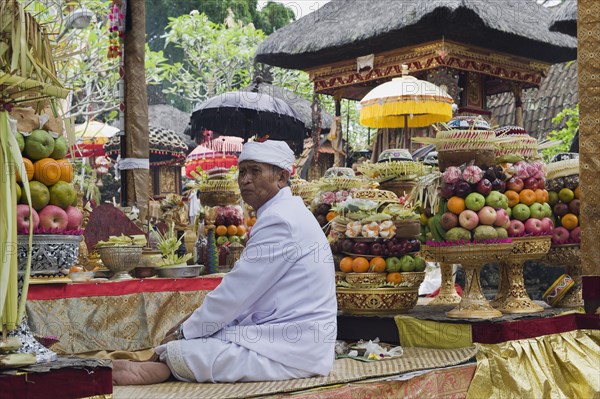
point(170, 334)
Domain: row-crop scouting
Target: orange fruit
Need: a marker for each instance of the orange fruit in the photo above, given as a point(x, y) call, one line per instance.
point(541, 196)
point(527, 196)
point(346, 264)
point(46, 171)
point(394, 278)
point(330, 215)
point(360, 265)
point(569, 221)
point(377, 264)
point(577, 192)
point(66, 170)
point(513, 197)
point(75, 269)
point(241, 230)
point(28, 168)
point(232, 230)
point(456, 205)
point(221, 230)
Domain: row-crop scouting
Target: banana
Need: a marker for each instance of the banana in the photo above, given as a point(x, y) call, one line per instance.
point(438, 233)
point(378, 217)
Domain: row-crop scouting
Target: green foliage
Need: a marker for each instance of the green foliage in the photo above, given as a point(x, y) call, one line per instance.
point(568, 118)
point(273, 16)
point(216, 58)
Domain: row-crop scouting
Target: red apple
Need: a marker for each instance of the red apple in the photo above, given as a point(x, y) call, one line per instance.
point(560, 235)
point(484, 187)
point(515, 184)
point(534, 226)
point(516, 228)
point(468, 219)
point(53, 217)
point(502, 218)
point(487, 215)
point(576, 234)
point(547, 225)
point(23, 218)
point(75, 218)
point(531, 183)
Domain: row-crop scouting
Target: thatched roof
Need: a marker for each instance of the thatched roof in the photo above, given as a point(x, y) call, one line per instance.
point(168, 117)
point(345, 29)
point(556, 92)
point(564, 19)
point(302, 107)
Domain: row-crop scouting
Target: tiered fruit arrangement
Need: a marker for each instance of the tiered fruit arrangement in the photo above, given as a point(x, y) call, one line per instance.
point(53, 198)
point(564, 192)
point(472, 209)
point(366, 235)
point(324, 202)
point(230, 225)
point(531, 213)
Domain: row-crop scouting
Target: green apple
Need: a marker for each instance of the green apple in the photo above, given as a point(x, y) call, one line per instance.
point(475, 201)
point(501, 232)
point(75, 201)
point(40, 196)
point(392, 264)
point(20, 140)
point(521, 212)
point(39, 144)
point(407, 263)
point(419, 264)
point(18, 193)
point(547, 209)
point(62, 194)
point(60, 148)
point(222, 240)
point(234, 239)
point(552, 197)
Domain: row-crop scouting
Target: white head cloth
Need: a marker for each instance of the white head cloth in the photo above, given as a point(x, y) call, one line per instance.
point(272, 152)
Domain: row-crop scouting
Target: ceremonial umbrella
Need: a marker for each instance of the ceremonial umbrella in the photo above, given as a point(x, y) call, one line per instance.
point(405, 102)
point(206, 159)
point(246, 114)
point(90, 139)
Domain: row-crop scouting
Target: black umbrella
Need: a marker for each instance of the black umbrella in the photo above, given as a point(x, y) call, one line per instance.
point(246, 114)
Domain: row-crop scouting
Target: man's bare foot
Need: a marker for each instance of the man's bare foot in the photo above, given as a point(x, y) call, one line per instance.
point(126, 372)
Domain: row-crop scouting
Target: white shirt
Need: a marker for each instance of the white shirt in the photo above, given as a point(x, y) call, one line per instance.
point(279, 299)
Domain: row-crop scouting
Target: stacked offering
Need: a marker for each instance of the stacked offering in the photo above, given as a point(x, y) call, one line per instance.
point(379, 258)
point(53, 198)
point(563, 186)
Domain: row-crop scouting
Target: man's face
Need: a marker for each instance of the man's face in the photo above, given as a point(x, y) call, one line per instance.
point(259, 182)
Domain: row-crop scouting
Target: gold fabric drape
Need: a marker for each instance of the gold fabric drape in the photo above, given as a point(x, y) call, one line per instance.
point(432, 334)
point(588, 64)
point(136, 107)
point(565, 365)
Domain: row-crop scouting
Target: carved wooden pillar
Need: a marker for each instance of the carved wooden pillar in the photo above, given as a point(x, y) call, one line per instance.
point(588, 64)
point(518, 94)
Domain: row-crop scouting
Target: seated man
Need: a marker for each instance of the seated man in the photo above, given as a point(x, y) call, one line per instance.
point(273, 317)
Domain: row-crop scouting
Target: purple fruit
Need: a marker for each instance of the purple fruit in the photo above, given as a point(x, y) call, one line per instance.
point(376, 249)
point(498, 185)
point(347, 245)
point(386, 252)
point(395, 240)
point(484, 187)
point(449, 220)
point(462, 189)
point(447, 190)
point(561, 209)
point(360, 248)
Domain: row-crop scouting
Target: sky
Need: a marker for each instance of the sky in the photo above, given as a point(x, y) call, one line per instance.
point(300, 7)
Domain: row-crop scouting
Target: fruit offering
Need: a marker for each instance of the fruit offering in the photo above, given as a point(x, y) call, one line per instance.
point(230, 225)
point(563, 197)
point(53, 198)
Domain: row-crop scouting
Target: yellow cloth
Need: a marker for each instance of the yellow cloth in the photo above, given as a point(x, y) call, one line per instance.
point(433, 334)
point(563, 365)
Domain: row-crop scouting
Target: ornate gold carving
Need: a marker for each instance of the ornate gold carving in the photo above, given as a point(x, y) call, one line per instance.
point(429, 56)
point(569, 256)
point(375, 301)
point(447, 294)
point(516, 299)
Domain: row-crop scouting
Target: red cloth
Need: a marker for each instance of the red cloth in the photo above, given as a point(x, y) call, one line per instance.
point(591, 287)
point(458, 288)
point(493, 333)
point(116, 288)
point(68, 383)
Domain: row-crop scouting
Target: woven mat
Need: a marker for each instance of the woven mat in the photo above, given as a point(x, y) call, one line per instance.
point(344, 370)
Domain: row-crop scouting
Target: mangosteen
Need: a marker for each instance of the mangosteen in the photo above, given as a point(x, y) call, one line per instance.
point(347, 245)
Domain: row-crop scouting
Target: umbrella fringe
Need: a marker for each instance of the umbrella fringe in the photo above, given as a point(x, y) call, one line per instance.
point(392, 115)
